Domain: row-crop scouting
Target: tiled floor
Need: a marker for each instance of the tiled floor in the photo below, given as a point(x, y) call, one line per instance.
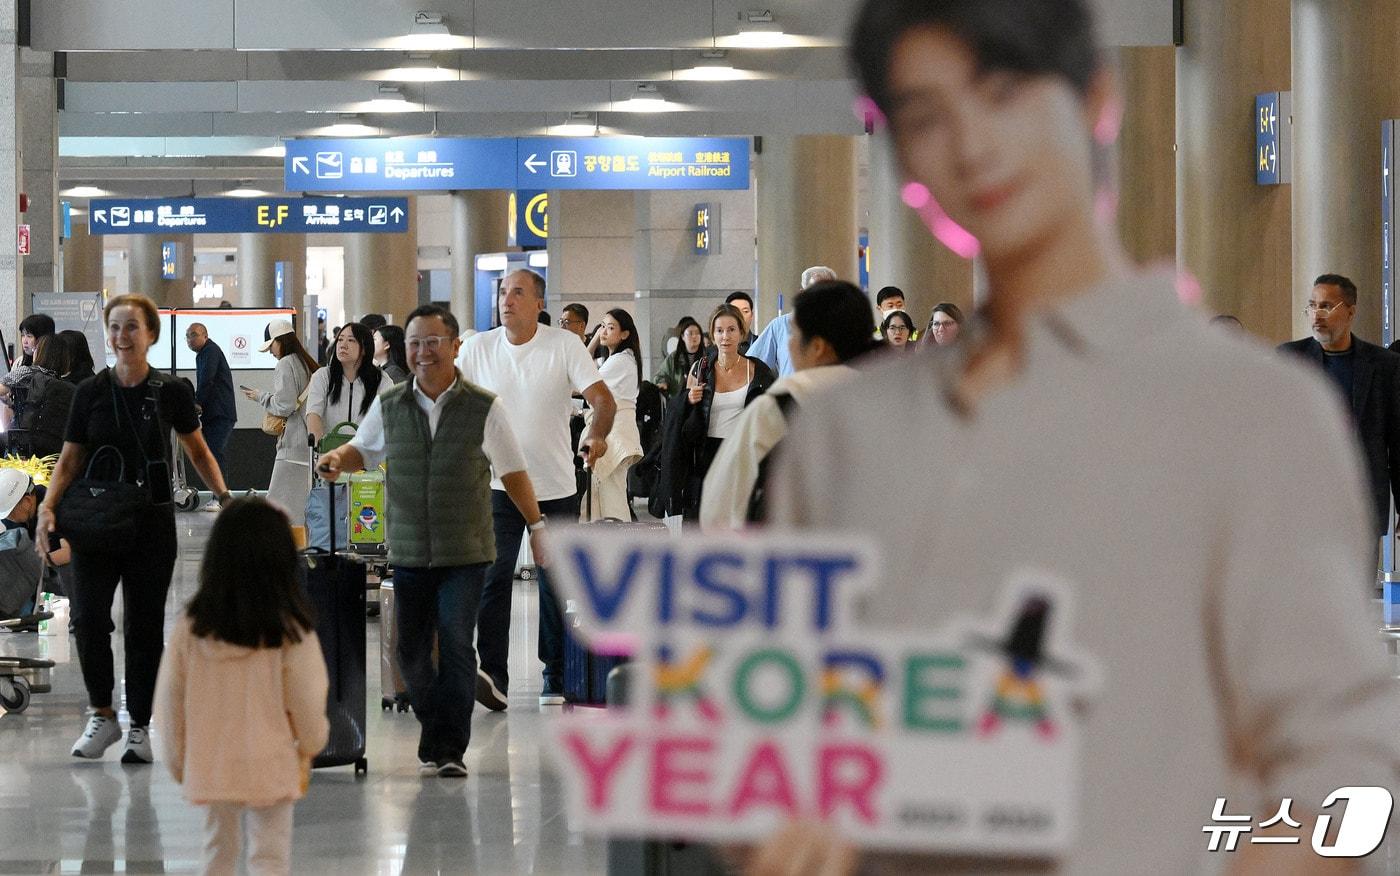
point(61, 815)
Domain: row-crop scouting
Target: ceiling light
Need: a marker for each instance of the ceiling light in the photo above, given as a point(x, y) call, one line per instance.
point(245, 190)
point(85, 192)
point(713, 67)
point(389, 99)
point(348, 125)
point(416, 68)
point(645, 99)
point(580, 124)
point(760, 30)
point(429, 32)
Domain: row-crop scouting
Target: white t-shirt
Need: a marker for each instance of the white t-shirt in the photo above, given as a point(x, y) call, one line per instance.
point(535, 381)
point(1204, 499)
point(497, 440)
point(619, 371)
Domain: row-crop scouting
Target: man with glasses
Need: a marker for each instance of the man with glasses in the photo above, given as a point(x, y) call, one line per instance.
point(443, 437)
point(1368, 377)
point(575, 319)
point(535, 370)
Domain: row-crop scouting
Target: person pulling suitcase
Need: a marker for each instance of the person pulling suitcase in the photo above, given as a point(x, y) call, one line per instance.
point(442, 436)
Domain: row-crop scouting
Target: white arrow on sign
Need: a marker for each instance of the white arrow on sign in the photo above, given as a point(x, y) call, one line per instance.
point(99, 216)
point(533, 163)
point(299, 164)
point(397, 213)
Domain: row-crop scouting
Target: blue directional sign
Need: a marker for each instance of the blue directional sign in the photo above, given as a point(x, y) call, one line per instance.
point(247, 215)
point(170, 261)
point(399, 164)
point(1272, 164)
point(456, 163)
point(527, 225)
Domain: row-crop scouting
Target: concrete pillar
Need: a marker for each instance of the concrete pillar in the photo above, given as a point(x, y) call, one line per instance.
point(479, 225)
point(146, 276)
point(12, 302)
point(257, 258)
point(1344, 85)
point(83, 270)
point(1146, 153)
point(1233, 235)
point(806, 210)
point(592, 250)
point(39, 105)
point(903, 252)
point(381, 272)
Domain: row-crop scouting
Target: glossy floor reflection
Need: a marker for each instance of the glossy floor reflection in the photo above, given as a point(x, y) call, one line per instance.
point(62, 815)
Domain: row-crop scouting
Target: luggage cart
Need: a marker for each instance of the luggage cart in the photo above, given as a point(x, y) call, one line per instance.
point(186, 498)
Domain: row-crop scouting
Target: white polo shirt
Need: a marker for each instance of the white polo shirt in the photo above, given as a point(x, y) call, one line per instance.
point(497, 440)
point(1204, 498)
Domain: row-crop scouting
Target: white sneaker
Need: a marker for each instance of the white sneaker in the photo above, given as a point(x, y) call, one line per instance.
point(427, 768)
point(138, 746)
point(101, 734)
point(552, 698)
point(211, 505)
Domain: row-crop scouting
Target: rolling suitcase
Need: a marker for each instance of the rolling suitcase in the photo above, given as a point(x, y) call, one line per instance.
point(393, 693)
point(335, 586)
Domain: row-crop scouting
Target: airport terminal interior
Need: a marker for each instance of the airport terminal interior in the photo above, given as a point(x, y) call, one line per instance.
point(266, 173)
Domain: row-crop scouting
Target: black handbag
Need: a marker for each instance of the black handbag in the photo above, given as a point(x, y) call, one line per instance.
point(99, 514)
point(106, 515)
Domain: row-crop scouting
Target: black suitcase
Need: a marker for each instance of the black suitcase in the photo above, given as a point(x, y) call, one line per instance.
point(335, 586)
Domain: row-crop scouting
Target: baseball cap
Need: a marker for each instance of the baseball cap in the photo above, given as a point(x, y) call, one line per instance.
point(14, 485)
point(275, 329)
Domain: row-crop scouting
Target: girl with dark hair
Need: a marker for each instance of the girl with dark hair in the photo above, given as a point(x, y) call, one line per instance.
point(26, 390)
point(831, 326)
point(897, 328)
point(690, 347)
point(124, 415)
point(31, 329)
point(622, 371)
point(80, 364)
point(342, 391)
point(291, 383)
point(701, 418)
point(390, 354)
point(244, 655)
point(1090, 425)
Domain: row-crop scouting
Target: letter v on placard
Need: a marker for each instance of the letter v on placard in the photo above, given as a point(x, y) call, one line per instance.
point(606, 598)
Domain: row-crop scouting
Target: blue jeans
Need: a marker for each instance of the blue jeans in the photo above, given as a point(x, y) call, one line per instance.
point(493, 633)
point(444, 600)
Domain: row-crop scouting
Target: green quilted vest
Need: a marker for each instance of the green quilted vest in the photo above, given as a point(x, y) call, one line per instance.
point(439, 487)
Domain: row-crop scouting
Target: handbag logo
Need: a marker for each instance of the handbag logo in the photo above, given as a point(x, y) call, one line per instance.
point(96, 491)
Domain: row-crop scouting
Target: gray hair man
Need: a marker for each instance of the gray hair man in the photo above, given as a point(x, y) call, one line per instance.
point(772, 345)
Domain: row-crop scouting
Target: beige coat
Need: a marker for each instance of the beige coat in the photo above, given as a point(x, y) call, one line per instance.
point(234, 723)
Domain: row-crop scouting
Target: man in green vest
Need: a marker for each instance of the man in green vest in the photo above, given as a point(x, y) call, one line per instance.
point(442, 436)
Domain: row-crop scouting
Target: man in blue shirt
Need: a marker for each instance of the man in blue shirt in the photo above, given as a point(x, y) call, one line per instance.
point(214, 395)
point(772, 345)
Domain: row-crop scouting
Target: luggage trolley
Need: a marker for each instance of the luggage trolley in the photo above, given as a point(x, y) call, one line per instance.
point(21, 677)
point(186, 498)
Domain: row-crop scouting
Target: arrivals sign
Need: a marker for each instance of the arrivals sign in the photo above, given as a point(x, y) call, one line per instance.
point(758, 699)
point(247, 215)
point(459, 163)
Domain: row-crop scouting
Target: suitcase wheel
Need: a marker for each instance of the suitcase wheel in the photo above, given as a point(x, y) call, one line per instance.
point(361, 767)
point(372, 610)
point(526, 573)
point(403, 705)
point(386, 703)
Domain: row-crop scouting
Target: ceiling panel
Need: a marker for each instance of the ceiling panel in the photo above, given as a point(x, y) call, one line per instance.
point(592, 24)
point(335, 24)
point(76, 25)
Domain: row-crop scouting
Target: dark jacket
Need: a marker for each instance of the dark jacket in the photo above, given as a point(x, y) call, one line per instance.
point(1375, 410)
point(213, 385)
point(685, 452)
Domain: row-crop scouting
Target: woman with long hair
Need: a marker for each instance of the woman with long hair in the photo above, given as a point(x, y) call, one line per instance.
point(80, 364)
point(342, 391)
point(622, 371)
point(390, 354)
point(943, 325)
point(705, 414)
point(127, 412)
point(690, 346)
point(291, 470)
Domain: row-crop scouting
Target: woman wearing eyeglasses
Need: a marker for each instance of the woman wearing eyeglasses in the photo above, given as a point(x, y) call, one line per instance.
point(897, 329)
point(943, 325)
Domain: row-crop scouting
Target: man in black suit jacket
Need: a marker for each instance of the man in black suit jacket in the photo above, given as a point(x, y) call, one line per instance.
point(1369, 379)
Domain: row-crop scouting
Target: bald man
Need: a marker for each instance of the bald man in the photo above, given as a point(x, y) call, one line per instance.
point(214, 394)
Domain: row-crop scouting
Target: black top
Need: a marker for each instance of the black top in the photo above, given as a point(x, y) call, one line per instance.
point(215, 392)
point(1341, 367)
point(94, 421)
